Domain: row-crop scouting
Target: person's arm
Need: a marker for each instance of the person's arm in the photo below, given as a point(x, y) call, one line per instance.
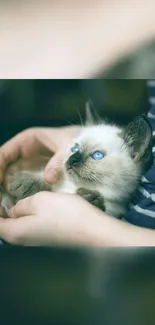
point(70, 39)
point(47, 219)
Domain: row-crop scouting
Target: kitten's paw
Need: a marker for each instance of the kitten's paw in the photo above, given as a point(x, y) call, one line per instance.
point(24, 184)
point(93, 197)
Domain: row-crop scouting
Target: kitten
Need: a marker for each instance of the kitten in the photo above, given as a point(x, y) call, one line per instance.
point(104, 165)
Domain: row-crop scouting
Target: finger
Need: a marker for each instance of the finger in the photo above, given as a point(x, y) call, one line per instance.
point(23, 144)
point(10, 152)
point(17, 231)
point(7, 228)
point(22, 208)
point(53, 168)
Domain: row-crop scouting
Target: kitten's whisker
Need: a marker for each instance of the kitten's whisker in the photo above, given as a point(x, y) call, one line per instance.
point(94, 180)
point(69, 122)
point(81, 120)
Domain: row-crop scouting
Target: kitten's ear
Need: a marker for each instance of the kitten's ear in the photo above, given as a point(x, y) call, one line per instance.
point(138, 137)
point(92, 117)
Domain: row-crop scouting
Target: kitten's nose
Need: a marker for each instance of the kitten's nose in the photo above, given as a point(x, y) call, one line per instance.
point(74, 160)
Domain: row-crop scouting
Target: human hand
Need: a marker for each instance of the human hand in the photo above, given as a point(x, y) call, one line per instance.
point(50, 218)
point(47, 219)
point(32, 144)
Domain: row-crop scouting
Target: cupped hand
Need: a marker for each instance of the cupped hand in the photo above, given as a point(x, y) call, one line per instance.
point(51, 218)
point(47, 219)
point(28, 147)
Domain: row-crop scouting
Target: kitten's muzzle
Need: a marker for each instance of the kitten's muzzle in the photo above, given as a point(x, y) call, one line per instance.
point(74, 160)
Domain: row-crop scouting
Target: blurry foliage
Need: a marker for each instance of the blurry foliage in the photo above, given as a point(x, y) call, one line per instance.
point(26, 103)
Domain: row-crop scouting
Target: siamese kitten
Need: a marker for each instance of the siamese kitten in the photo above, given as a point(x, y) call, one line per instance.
point(104, 165)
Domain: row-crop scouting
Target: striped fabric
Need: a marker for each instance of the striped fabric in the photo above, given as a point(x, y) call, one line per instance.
point(143, 212)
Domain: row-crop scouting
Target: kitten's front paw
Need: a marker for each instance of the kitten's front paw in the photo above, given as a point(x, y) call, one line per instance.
point(24, 184)
point(21, 185)
point(93, 197)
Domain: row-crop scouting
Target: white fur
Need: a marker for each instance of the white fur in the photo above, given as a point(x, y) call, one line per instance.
point(119, 171)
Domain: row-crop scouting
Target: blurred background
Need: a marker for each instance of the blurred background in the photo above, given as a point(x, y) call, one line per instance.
point(77, 39)
point(110, 286)
point(27, 103)
point(138, 64)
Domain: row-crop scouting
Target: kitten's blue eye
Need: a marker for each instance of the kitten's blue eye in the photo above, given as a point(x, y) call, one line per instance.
point(97, 155)
point(76, 148)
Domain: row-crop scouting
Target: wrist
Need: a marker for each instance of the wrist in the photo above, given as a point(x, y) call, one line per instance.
point(104, 230)
point(114, 232)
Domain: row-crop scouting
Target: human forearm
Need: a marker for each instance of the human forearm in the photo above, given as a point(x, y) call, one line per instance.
point(80, 38)
point(108, 231)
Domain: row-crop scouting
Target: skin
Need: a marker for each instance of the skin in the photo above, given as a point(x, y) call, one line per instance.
point(62, 224)
point(72, 39)
point(33, 143)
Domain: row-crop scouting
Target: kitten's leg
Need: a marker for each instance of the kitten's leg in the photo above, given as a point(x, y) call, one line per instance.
point(93, 197)
point(24, 184)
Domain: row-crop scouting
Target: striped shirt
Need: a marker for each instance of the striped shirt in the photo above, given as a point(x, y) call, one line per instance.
point(143, 212)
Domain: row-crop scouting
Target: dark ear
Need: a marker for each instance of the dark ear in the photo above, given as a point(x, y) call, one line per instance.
point(92, 116)
point(138, 137)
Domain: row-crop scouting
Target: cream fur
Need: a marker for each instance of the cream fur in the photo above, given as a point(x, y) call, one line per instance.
point(115, 177)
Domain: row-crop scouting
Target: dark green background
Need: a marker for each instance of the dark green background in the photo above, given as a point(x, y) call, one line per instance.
point(25, 103)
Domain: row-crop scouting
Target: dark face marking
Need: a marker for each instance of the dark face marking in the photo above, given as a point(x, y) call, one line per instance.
point(74, 160)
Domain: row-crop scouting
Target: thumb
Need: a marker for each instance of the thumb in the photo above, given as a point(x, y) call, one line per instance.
point(53, 168)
